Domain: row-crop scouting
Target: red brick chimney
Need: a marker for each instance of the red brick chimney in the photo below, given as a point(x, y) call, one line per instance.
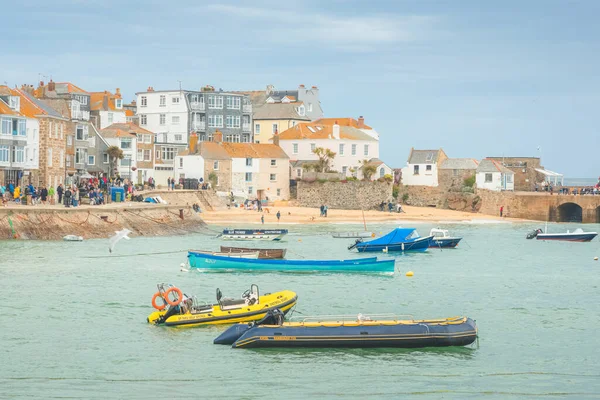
point(193, 146)
point(150, 89)
point(51, 86)
point(218, 136)
point(361, 122)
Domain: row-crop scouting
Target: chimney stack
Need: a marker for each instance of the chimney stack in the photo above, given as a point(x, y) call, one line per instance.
point(150, 89)
point(51, 86)
point(276, 138)
point(336, 130)
point(118, 92)
point(193, 146)
point(218, 136)
point(301, 87)
point(315, 88)
point(361, 122)
point(105, 101)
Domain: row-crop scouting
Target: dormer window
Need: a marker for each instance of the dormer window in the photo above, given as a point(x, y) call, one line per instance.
point(118, 104)
point(301, 111)
point(14, 102)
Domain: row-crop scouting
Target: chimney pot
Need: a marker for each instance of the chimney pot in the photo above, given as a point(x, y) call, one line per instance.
point(361, 122)
point(314, 87)
point(301, 87)
point(218, 137)
point(118, 91)
point(51, 86)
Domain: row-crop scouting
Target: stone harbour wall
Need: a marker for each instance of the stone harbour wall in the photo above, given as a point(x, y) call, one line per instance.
point(351, 195)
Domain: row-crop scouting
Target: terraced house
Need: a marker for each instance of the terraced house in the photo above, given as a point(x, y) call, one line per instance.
point(106, 108)
point(19, 140)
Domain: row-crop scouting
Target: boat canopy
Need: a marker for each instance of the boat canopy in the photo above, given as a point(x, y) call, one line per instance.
point(396, 236)
point(554, 176)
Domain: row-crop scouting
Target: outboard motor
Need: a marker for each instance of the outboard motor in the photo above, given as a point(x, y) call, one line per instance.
point(354, 245)
point(533, 234)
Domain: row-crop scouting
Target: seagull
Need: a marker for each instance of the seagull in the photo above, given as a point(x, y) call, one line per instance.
point(113, 240)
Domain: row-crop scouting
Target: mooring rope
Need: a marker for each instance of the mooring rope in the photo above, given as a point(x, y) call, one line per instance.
point(139, 254)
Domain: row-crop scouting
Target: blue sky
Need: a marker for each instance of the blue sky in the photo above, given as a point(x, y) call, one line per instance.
point(477, 78)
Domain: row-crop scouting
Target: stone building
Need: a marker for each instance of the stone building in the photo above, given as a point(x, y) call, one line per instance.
point(452, 172)
point(526, 170)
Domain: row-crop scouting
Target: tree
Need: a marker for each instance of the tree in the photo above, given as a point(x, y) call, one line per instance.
point(367, 169)
point(325, 157)
point(114, 153)
point(309, 167)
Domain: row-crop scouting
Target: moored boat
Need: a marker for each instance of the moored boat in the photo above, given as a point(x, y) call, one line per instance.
point(179, 310)
point(400, 239)
point(352, 235)
point(441, 239)
point(356, 331)
point(72, 238)
point(215, 263)
point(578, 235)
point(246, 254)
point(253, 234)
point(262, 253)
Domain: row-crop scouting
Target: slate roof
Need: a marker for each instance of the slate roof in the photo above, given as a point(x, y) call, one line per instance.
point(487, 165)
point(459, 163)
point(32, 106)
point(423, 156)
point(278, 111)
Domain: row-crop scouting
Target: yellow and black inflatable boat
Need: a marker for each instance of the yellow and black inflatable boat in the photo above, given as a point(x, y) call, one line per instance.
point(174, 308)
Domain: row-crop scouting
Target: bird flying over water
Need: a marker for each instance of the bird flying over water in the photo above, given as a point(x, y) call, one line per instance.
point(113, 240)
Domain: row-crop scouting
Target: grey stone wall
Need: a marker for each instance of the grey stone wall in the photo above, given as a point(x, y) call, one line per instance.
point(352, 195)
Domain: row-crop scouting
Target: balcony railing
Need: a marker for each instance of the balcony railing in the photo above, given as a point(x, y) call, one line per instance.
point(246, 127)
point(198, 106)
point(81, 115)
point(247, 108)
point(199, 125)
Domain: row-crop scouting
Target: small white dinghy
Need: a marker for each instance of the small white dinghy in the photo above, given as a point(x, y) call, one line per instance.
point(247, 254)
point(353, 235)
point(73, 238)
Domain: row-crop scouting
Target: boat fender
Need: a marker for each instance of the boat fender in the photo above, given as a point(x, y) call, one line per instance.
point(155, 305)
point(179, 296)
point(595, 258)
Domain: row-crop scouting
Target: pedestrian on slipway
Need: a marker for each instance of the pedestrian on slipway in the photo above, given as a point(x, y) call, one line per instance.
point(44, 195)
point(60, 192)
point(278, 216)
point(172, 183)
point(501, 210)
point(262, 219)
point(168, 184)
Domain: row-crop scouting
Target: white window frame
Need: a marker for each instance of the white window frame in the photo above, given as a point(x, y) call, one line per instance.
point(216, 165)
point(215, 102)
point(257, 129)
point(341, 149)
point(295, 148)
point(162, 119)
point(366, 150)
point(143, 101)
point(147, 138)
point(162, 100)
point(175, 100)
point(215, 121)
point(248, 162)
point(143, 119)
point(175, 119)
point(273, 163)
point(4, 153)
point(49, 154)
point(105, 158)
point(126, 140)
point(91, 160)
point(275, 128)
point(486, 177)
point(353, 151)
point(168, 153)
point(273, 177)
point(248, 177)
point(149, 153)
point(234, 102)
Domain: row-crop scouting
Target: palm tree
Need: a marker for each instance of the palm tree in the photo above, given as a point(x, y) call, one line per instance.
point(114, 153)
point(367, 169)
point(325, 156)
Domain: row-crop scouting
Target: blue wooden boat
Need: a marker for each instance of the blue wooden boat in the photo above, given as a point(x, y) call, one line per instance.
point(440, 239)
point(253, 234)
point(216, 262)
point(400, 239)
point(357, 331)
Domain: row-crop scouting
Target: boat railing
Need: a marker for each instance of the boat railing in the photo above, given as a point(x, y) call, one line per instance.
point(353, 318)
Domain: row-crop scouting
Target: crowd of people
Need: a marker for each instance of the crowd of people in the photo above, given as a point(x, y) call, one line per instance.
point(583, 190)
point(391, 207)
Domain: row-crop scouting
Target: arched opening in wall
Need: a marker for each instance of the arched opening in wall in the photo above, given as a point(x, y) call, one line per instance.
point(570, 212)
point(598, 215)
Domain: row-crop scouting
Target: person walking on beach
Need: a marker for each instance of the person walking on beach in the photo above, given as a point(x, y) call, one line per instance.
point(168, 183)
point(322, 210)
point(501, 210)
point(172, 183)
point(325, 211)
point(262, 219)
point(278, 216)
point(60, 191)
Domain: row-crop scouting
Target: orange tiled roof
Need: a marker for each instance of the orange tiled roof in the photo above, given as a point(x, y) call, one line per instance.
point(129, 113)
point(71, 88)
point(97, 101)
point(341, 122)
point(253, 150)
point(6, 110)
point(314, 130)
point(123, 130)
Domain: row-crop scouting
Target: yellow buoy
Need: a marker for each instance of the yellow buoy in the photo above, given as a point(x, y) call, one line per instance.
point(409, 273)
point(596, 258)
point(299, 240)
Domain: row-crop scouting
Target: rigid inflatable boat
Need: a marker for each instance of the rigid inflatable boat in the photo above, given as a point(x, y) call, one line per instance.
point(358, 331)
point(180, 310)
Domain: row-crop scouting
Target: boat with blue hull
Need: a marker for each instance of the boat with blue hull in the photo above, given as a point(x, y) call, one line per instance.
point(253, 234)
point(578, 235)
point(400, 239)
point(442, 240)
point(215, 263)
point(358, 331)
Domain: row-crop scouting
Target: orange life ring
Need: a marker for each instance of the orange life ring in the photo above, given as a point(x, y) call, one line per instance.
point(179, 296)
point(156, 296)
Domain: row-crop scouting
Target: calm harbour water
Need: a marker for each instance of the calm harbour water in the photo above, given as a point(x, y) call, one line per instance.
point(74, 325)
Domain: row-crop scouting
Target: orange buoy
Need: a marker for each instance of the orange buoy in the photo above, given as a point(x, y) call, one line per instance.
point(179, 296)
point(154, 298)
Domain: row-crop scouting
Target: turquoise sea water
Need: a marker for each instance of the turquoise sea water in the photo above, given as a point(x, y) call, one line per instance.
point(73, 321)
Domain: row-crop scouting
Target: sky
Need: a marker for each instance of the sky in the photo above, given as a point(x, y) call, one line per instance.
point(476, 78)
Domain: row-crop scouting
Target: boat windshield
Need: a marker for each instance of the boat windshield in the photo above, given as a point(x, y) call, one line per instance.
point(438, 233)
point(413, 235)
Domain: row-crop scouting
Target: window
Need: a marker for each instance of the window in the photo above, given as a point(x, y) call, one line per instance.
point(272, 177)
point(509, 178)
point(488, 178)
point(111, 117)
point(4, 153)
point(49, 163)
point(143, 101)
point(235, 138)
point(81, 132)
point(175, 100)
point(416, 170)
point(14, 102)
point(428, 168)
point(143, 119)
point(295, 148)
point(273, 163)
point(233, 121)
point(381, 173)
point(274, 128)
point(80, 155)
point(147, 138)
point(162, 119)
point(118, 103)
point(82, 99)
point(248, 162)
point(215, 102)
point(21, 128)
point(147, 155)
point(180, 162)
point(69, 140)
point(366, 149)
point(55, 131)
point(233, 102)
point(299, 172)
point(313, 146)
point(157, 154)
point(105, 158)
point(175, 119)
point(278, 192)
point(140, 154)
point(215, 121)
point(18, 154)
point(344, 170)
point(248, 176)
point(429, 157)
point(455, 172)
point(216, 165)
point(6, 126)
point(250, 189)
point(309, 107)
point(125, 144)
point(301, 111)
point(353, 149)
point(178, 137)
point(257, 128)
point(91, 160)
point(62, 159)
point(341, 149)
point(168, 153)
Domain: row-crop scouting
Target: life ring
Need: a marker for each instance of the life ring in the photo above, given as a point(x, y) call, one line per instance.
point(162, 306)
point(179, 296)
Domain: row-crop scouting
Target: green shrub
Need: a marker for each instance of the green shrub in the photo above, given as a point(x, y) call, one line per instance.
point(351, 178)
point(321, 180)
point(470, 181)
point(405, 197)
point(395, 190)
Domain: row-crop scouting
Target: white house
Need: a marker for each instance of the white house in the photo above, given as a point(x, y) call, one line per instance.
point(492, 175)
point(351, 140)
point(422, 167)
point(107, 108)
point(125, 137)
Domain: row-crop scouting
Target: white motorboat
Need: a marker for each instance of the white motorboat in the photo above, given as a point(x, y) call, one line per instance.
point(353, 235)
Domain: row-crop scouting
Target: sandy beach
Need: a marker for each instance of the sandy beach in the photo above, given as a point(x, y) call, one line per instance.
point(302, 215)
